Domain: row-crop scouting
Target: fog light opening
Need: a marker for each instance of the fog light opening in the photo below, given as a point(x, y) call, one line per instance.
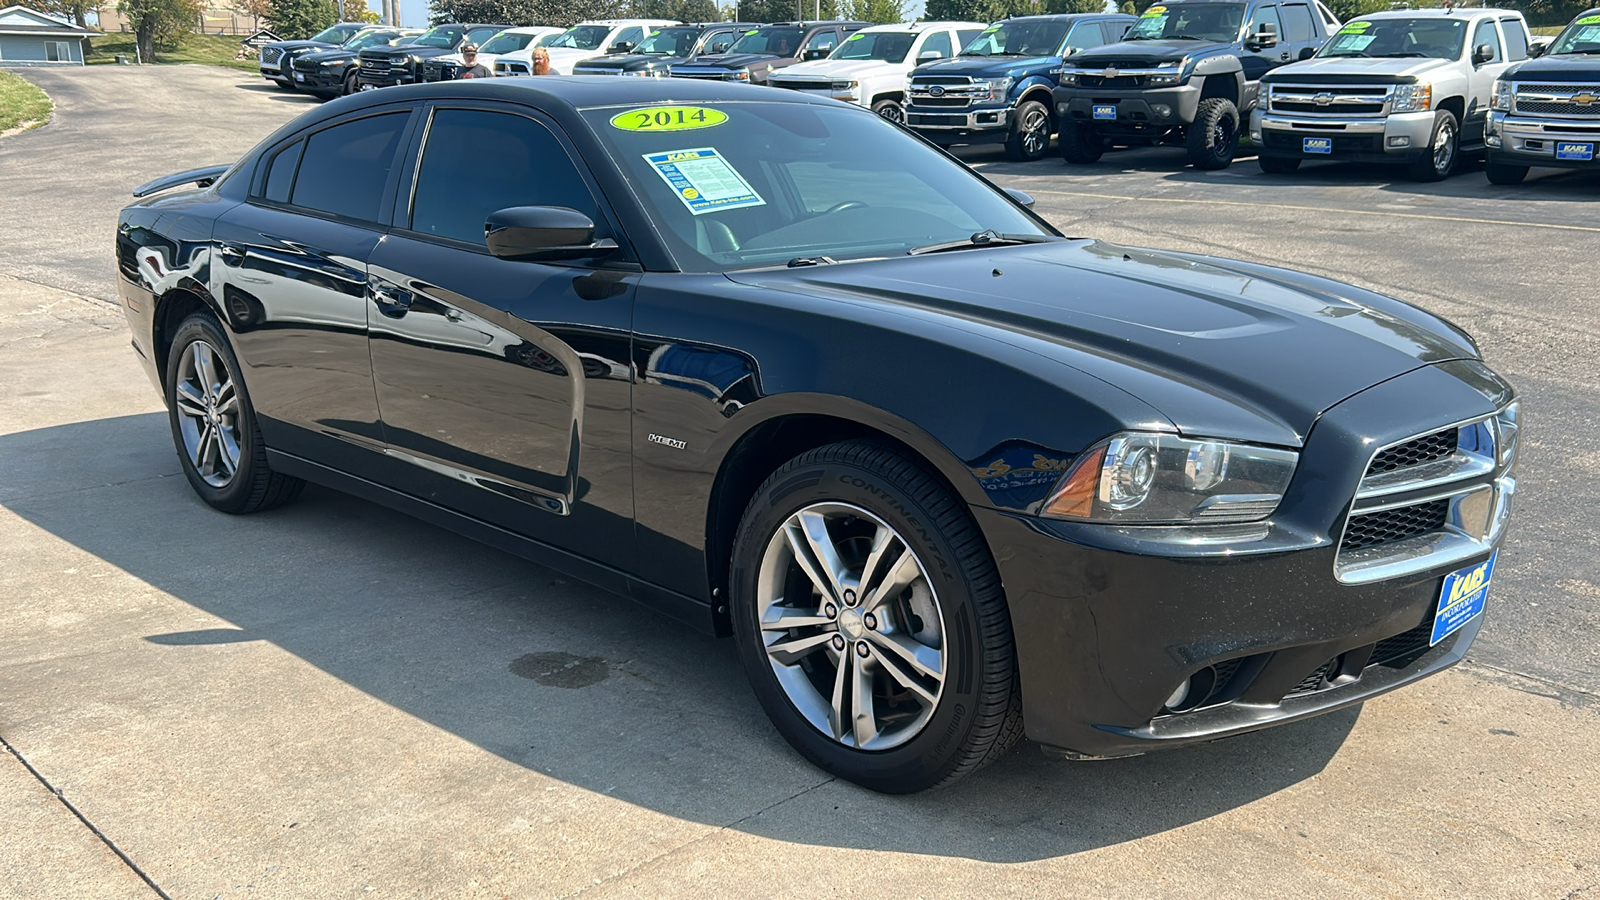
point(1400, 141)
point(1194, 690)
point(1161, 109)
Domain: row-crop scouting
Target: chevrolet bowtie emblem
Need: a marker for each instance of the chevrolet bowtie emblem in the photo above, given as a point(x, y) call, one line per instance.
point(1110, 72)
point(1322, 99)
point(1584, 99)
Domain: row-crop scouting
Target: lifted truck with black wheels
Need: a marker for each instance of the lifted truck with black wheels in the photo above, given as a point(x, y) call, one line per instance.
point(1546, 112)
point(1186, 73)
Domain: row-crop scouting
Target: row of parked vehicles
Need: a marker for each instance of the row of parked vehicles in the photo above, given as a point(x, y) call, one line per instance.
point(1424, 88)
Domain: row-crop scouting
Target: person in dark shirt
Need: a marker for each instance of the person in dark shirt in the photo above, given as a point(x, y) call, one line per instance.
point(470, 67)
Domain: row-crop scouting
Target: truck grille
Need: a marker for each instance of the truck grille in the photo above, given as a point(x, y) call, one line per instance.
point(704, 74)
point(375, 68)
point(511, 68)
point(1558, 100)
point(1340, 100)
point(433, 70)
point(1116, 82)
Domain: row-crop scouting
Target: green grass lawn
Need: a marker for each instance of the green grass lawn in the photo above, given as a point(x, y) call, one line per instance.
point(205, 49)
point(21, 103)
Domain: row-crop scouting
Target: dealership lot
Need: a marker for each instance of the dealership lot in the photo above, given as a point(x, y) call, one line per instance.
point(332, 699)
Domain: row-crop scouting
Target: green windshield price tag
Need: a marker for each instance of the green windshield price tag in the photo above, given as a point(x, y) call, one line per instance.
point(1588, 20)
point(854, 37)
point(752, 31)
point(1355, 27)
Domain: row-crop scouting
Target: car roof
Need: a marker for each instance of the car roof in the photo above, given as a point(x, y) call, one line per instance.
point(1458, 13)
point(576, 92)
point(1075, 16)
point(918, 27)
point(534, 29)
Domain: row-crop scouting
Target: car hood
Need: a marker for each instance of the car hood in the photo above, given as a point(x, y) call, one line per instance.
point(844, 68)
point(1139, 54)
point(984, 66)
point(1340, 69)
point(633, 61)
point(301, 45)
point(1280, 346)
point(732, 60)
point(1568, 68)
point(322, 56)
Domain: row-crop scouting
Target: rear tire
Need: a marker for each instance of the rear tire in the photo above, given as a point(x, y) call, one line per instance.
point(871, 621)
point(214, 426)
point(1080, 143)
point(1214, 136)
point(1444, 148)
point(1278, 165)
point(1030, 132)
point(1505, 173)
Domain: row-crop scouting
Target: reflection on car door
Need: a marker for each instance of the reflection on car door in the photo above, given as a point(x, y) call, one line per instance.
point(292, 280)
point(504, 383)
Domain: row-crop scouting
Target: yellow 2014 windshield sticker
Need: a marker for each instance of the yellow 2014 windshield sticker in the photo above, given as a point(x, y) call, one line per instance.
point(1155, 11)
point(668, 118)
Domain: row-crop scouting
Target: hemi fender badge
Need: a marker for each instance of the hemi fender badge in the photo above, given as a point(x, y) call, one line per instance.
point(674, 443)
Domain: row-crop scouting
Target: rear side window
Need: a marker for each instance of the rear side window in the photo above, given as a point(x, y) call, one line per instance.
point(719, 42)
point(482, 34)
point(344, 168)
point(630, 36)
point(1516, 39)
point(821, 41)
point(280, 174)
point(477, 162)
point(1298, 26)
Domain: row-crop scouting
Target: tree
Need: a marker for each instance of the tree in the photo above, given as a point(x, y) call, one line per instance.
point(564, 13)
point(76, 11)
point(1072, 6)
point(878, 12)
point(159, 24)
point(255, 9)
point(295, 20)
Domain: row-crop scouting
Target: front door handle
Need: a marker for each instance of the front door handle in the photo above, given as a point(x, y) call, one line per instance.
point(1284, 55)
point(231, 251)
point(391, 303)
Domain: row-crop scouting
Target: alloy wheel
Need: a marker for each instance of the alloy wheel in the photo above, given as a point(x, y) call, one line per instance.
point(1444, 149)
point(851, 626)
point(208, 414)
point(894, 113)
point(1036, 132)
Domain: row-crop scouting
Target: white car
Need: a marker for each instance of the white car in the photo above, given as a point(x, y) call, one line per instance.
point(586, 40)
point(869, 67)
point(508, 41)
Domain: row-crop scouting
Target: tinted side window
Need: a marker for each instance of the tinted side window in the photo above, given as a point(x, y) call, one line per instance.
point(1516, 39)
point(480, 35)
point(967, 36)
point(630, 35)
point(1084, 35)
point(1298, 26)
point(280, 175)
point(1265, 15)
point(822, 40)
point(719, 42)
point(478, 162)
point(1485, 34)
point(939, 43)
point(345, 167)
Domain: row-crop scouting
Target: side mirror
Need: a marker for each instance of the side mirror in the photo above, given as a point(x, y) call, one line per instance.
point(1023, 198)
point(622, 47)
point(1481, 54)
point(543, 233)
point(1306, 53)
point(1537, 50)
point(1266, 37)
point(929, 56)
point(819, 53)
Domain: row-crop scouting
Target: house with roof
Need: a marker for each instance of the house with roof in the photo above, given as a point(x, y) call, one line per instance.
point(31, 38)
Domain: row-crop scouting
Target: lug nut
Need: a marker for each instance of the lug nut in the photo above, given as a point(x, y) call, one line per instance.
point(838, 642)
point(861, 649)
point(830, 610)
point(850, 597)
point(870, 620)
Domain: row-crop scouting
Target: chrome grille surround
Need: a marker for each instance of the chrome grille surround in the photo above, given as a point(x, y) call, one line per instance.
point(1330, 100)
point(1439, 509)
point(945, 91)
point(1556, 100)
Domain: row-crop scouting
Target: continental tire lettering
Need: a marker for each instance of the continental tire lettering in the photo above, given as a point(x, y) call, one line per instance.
point(957, 714)
point(911, 519)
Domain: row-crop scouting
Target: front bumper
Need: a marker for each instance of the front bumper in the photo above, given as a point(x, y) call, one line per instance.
point(273, 73)
point(387, 79)
point(329, 78)
point(1393, 138)
point(1529, 141)
point(974, 126)
point(820, 89)
point(1138, 111)
point(1110, 621)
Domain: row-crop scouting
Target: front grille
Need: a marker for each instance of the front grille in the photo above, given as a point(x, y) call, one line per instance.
point(1120, 81)
point(1390, 525)
point(1352, 109)
point(511, 68)
point(940, 102)
point(942, 79)
point(931, 119)
point(1416, 451)
point(376, 68)
point(1556, 99)
point(720, 75)
point(1557, 108)
point(1342, 143)
point(271, 55)
point(1314, 682)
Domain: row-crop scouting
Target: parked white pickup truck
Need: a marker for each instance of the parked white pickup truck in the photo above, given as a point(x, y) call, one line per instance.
point(585, 40)
point(870, 67)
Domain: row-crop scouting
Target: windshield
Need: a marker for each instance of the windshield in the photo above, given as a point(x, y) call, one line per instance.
point(670, 42)
point(369, 39)
point(1019, 37)
point(336, 34)
point(1431, 37)
point(1189, 21)
point(445, 36)
point(882, 45)
point(583, 37)
point(733, 185)
point(506, 42)
point(776, 41)
point(549, 39)
point(1582, 36)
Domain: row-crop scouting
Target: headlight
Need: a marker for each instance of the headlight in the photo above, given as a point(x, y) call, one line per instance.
point(1413, 97)
point(1160, 78)
point(1065, 77)
point(997, 88)
point(333, 62)
point(1139, 478)
point(741, 75)
point(1500, 97)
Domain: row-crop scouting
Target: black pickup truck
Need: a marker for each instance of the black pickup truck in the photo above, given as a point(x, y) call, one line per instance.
point(1186, 72)
point(387, 66)
point(1546, 111)
point(766, 47)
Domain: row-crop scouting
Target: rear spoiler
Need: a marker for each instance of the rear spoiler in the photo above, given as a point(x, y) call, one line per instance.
point(202, 177)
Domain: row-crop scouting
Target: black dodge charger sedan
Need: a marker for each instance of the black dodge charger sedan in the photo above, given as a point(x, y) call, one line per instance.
point(780, 369)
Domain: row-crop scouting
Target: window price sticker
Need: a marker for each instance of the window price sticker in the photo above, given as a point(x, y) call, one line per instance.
point(703, 180)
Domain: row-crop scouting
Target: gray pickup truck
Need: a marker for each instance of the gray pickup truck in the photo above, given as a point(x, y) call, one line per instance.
point(1406, 86)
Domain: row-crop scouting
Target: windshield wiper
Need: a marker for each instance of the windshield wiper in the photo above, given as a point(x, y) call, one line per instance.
point(1406, 53)
point(1188, 37)
point(800, 261)
point(990, 238)
point(1356, 53)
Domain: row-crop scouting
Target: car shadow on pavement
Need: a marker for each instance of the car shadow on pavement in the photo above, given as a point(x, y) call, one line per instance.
point(560, 678)
point(278, 93)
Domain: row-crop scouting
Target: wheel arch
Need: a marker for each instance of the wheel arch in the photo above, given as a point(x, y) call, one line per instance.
point(1457, 105)
point(171, 309)
point(1223, 85)
point(1040, 94)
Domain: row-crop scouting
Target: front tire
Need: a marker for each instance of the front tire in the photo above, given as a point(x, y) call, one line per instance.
point(1030, 132)
point(1505, 173)
point(214, 426)
point(350, 84)
point(1278, 165)
point(1080, 144)
point(871, 621)
point(1440, 158)
point(892, 110)
point(1214, 136)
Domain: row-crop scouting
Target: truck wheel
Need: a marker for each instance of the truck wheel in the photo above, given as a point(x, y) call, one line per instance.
point(1214, 136)
point(1505, 173)
point(891, 110)
point(1440, 159)
point(1080, 144)
point(1030, 132)
point(1278, 165)
point(871, 621)
point(350, 84)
